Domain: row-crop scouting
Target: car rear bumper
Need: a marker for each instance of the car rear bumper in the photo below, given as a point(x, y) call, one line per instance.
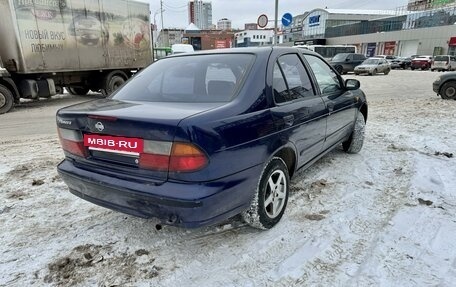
point(188, 205)
point(420, 65)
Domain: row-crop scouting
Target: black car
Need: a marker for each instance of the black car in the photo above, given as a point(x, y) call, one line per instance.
point(197, 138)
point(346, 62)
point(401, 63)
point(445, 86)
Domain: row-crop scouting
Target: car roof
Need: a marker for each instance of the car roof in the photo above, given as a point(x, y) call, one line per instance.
point(248, 50)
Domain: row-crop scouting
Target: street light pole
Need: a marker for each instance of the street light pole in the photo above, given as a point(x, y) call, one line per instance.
point(161, 14)
point(275, 21)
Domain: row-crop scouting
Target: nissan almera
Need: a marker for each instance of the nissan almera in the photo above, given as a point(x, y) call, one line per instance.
point(197, 138)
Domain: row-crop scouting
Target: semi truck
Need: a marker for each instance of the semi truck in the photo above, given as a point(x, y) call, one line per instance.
point(79, 45)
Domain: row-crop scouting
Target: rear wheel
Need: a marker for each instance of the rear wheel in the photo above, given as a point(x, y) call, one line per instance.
point(386, 71)
point(78, 91)
point(271, 196)
point(113, 81)
point(355, 142)
point(448, 91)
point(339, 69)
point(6, 100)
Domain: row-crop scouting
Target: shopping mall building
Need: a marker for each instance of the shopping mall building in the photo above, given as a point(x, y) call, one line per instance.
point(424, 27)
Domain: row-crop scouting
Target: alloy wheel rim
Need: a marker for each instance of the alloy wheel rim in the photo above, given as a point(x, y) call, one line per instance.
point(450, 92)
point(275, 195)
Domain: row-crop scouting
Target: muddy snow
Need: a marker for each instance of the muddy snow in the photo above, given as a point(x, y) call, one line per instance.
point(384, 217)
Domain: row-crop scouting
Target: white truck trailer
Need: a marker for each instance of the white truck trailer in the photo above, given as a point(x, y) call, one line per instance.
point(80, 45)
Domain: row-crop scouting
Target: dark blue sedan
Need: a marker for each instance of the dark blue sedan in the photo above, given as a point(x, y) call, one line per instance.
point(198, 138)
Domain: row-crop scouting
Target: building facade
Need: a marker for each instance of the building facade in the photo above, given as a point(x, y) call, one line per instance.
point(252, 38)
point(224, 24)
point(405, 31)
point(168, 37)
point(423, 5)
point(428, 32)
point(200, 13)
point(312, 25)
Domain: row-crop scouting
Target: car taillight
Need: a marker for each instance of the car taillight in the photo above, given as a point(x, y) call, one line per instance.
point(172, 157)
point(72, 142)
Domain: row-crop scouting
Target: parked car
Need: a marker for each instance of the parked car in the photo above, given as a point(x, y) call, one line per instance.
point(195, 139)
point(401, 63)
point(445, 85)
point(421, 62)
point(443, 63)
point(389, 58)
point(346, 62)
point(373, 66)
point(181, 48)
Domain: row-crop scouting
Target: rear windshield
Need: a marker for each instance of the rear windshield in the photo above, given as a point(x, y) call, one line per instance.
point(196, 78)
point(441, 58)
point(371, 62)
point(340, 57)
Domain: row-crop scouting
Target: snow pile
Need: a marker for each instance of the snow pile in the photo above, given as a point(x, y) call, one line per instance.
point(384, 217)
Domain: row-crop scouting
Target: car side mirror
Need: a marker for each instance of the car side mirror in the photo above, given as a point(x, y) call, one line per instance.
point(347, 59)
point(352, 84)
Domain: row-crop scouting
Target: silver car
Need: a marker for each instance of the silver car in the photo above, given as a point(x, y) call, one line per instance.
point(373, 66)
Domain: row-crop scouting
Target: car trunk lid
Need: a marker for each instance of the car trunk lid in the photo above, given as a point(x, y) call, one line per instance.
point(112, 134)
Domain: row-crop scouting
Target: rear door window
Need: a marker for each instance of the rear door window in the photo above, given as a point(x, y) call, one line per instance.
point(291, 80)
point(327, 79)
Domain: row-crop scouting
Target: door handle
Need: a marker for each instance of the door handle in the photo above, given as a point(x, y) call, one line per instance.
point(330, 107)
point(288, 120)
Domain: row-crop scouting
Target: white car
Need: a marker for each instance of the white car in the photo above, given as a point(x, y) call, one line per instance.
point(443, 63)
point(373, 66)
point(181, 48)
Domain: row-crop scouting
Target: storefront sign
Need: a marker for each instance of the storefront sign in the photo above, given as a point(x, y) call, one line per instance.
point(314, 20)
point(371, 49)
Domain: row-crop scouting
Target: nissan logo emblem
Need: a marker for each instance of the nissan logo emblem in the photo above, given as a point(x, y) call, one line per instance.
point(99, 126)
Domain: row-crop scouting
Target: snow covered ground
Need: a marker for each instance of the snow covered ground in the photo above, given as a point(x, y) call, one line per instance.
point(384, 217)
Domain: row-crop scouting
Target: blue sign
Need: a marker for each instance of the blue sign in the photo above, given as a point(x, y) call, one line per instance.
point(314, 21)
point(287, 18)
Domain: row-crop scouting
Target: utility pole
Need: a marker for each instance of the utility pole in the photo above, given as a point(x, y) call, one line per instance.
point(275, 21)
point(161, 14)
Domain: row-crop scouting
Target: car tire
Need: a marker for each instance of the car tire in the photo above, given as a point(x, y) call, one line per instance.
point(271, 196)
point(386, 72)
point(113, 81)
point(448, 90)
point(339, 69)
point(355, 142)
point(411, 68)
point(6, 100)
point(374, 72)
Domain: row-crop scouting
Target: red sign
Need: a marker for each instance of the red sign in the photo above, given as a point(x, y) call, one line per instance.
point(114, 143)
point(452, 41)
point(220, 44)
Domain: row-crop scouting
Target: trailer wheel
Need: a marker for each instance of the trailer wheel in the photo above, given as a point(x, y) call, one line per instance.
point(6, 100)
point(77, 91)
point(113, 81)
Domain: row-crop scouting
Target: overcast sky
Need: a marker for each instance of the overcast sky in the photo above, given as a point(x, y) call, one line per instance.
point(247, 11)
